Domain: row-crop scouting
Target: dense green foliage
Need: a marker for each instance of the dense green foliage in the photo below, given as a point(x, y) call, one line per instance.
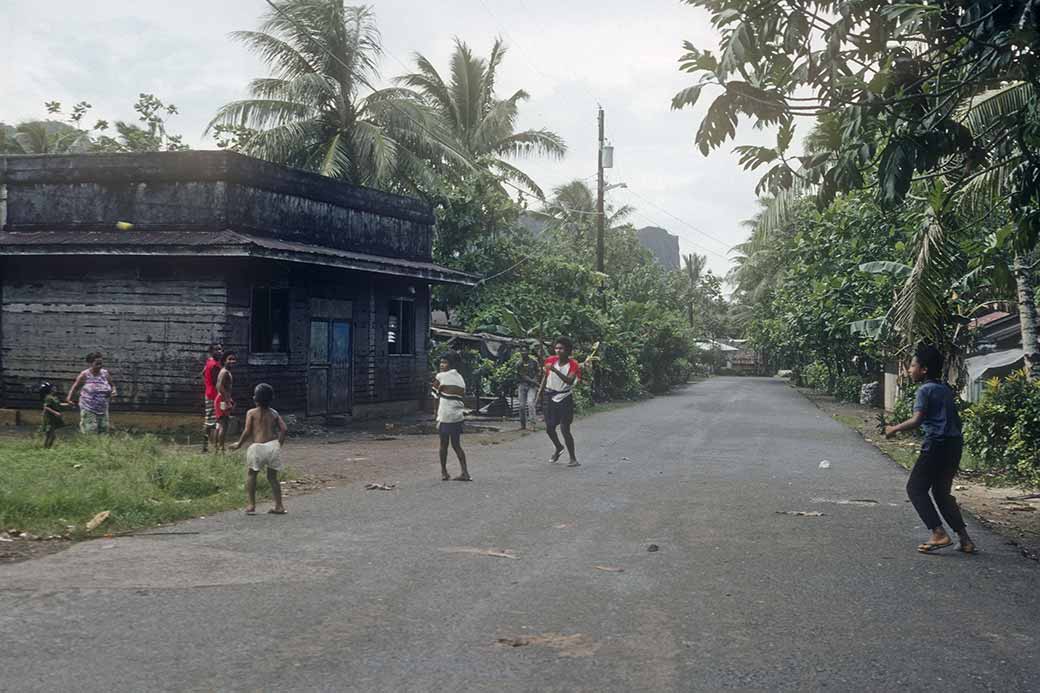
point(140, 480)
point(1002, 430)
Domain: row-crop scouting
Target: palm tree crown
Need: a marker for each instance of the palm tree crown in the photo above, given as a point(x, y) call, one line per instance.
point(310, 113)
point(481, 125)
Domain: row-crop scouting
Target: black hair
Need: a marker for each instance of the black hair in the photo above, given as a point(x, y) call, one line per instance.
point(45, 389)
point(226, 356)
point(930, 359)
point(215, 348)
point(94, 356)
point(263, 395)
point(453, 359)
point(566, 342)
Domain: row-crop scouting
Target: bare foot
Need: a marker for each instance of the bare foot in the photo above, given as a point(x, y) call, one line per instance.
point(967, 546)
point(276, 511)
point(251, 510)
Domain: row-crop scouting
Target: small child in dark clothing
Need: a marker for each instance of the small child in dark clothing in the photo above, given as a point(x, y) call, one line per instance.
point(52, 418)
point(935, 410)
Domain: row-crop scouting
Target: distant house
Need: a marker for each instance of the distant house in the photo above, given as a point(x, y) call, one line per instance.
point(322, 288)
point(662, 245)
point(998, 351)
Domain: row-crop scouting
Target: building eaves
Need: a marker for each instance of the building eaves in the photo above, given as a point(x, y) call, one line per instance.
point(182, 242)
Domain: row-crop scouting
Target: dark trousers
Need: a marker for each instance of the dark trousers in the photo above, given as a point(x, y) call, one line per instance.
point(934, 471)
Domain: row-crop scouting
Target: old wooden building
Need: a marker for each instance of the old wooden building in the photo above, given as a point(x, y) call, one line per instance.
point(322, 288)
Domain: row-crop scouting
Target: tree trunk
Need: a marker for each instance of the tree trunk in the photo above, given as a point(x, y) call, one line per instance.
point(1027, 314)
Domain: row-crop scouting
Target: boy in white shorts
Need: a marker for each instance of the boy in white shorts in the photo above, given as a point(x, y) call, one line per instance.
point(267, 430)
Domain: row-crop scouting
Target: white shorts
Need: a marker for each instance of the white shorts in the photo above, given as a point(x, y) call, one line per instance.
point(260, 455)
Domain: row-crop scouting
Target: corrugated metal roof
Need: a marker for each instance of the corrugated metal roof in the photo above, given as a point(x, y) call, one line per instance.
point(226, 242)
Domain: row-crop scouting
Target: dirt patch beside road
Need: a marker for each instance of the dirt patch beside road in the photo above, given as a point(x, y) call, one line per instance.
point(1016, 520)
point(315, 465)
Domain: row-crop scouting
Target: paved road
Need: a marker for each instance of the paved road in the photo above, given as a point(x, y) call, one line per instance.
point(370, 591)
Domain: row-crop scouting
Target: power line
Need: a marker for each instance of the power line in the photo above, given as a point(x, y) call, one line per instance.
point(655, 222)
point(681, 221)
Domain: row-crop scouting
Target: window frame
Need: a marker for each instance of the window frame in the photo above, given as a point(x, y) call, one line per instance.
point(401, 301)
point(269, 354)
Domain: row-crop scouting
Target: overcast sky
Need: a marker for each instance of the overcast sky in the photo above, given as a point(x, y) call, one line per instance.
point(569, 55)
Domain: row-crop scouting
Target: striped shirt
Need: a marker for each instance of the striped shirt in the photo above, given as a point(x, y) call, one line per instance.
point(449, 389)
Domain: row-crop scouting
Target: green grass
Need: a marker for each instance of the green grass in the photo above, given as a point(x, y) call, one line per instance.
point(142, 481)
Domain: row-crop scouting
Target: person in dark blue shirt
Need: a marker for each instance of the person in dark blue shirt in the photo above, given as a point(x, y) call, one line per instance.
point(935, 411)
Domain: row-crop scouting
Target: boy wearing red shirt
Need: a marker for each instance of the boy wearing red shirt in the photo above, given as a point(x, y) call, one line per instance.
point(209, 381)
point(561, 373)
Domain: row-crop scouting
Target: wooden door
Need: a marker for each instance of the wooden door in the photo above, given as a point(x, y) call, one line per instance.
point(329, 373)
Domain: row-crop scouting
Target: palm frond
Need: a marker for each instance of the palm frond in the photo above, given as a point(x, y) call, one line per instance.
point(528, 142)
point(512, 173)
point(260, 114)
point(921, 305)
point(280, 56)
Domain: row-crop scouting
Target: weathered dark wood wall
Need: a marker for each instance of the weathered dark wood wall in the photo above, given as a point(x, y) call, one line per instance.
point(212, 191)
point(153, 319)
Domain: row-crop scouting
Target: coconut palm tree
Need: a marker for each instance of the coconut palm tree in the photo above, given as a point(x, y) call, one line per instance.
point(482, 125)
point(694, 265)
point(318, 110)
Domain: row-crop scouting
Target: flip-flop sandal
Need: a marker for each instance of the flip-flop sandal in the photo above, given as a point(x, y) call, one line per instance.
point(973, 550)
point(462, 478)
point(272, 511)
point(250, 512)
point(928, 547)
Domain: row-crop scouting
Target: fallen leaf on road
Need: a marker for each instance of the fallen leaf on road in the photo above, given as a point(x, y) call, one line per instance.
point(609, 569)
point(96, 521)
point(800, 513)
point(653, 547)
point(380, 487)
point(825, 464)
point(495, 553)
point(561, 526)
point(576, 645)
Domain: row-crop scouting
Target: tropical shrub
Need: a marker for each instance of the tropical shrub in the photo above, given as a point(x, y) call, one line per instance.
point(816, 375)
point(847, 387)
point(1002, 430)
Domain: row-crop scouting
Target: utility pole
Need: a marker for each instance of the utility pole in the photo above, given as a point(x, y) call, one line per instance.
point(599, 196)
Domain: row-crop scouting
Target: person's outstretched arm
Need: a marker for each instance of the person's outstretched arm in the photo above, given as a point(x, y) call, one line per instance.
point(283, 430)
point(908, 425)
point(247, 431)
point(72, 390)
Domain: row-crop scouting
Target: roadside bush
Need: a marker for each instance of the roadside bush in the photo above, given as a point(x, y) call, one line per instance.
point(817, 376)
point(847, 388)
point(1002, 430)
point(904, 408)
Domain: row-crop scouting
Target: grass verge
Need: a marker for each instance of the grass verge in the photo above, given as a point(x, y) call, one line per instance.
point(141, 481)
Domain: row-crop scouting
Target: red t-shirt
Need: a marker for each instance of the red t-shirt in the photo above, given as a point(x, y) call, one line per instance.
point(209, 377)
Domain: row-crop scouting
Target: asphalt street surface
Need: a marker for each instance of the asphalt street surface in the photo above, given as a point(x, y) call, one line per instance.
point(387, 591)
